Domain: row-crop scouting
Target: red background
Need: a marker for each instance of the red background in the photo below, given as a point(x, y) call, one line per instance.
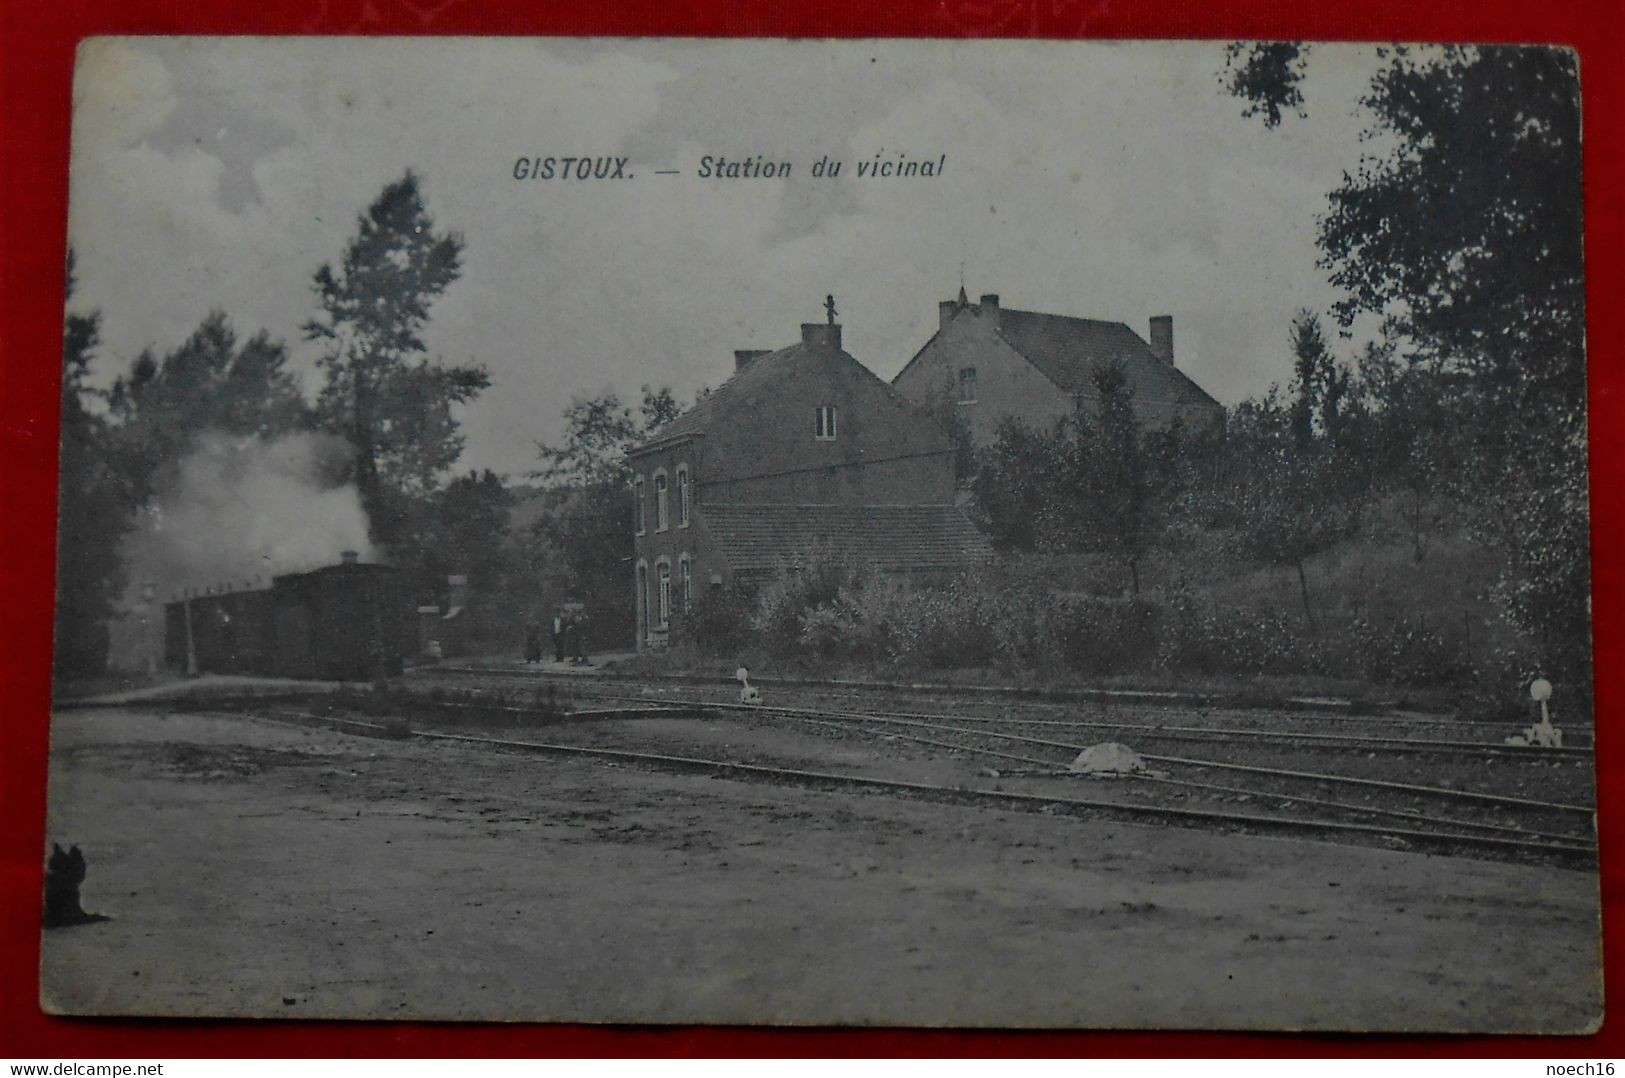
point(36, 72)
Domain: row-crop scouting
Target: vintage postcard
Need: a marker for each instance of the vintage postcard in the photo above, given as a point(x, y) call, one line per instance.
point(908, 533)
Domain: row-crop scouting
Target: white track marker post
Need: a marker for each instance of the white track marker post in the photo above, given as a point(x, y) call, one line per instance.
point(1540, 690)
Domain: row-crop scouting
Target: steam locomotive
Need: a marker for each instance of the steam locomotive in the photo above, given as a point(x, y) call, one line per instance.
point(350, 621)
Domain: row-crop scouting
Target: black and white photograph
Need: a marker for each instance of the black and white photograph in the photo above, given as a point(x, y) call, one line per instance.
point(878, 533)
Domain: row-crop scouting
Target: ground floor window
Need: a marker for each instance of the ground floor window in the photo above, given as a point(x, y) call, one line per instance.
point(643, 601)
point(663, 607)
point(685, 572)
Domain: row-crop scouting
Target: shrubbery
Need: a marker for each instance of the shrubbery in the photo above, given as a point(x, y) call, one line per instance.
point(719, 621)
point(1199, 638)
point(836, 611)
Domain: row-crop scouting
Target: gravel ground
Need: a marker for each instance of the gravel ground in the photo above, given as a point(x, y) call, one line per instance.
point(252, 869)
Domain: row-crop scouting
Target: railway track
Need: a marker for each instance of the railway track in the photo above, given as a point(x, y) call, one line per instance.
point(1418, 804)
point(1180, 732)
point(1328, 711)
point(927, 723)
point(1205, 770)
point(1469, 734)
point(1231, 754)
point(1553, 849)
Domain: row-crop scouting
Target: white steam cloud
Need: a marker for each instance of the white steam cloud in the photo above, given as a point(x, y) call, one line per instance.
point(238, 511)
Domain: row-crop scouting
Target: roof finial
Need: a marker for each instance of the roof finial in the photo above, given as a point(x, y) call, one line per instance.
point(829, 309)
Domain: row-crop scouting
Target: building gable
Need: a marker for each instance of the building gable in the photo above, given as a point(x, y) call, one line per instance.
point(757, 437)
point(1059, 357)
point(1006, 383)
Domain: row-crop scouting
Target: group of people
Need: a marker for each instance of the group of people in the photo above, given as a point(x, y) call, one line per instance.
point(568, 634)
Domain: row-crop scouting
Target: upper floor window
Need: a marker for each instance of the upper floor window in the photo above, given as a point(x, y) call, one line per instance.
point(682, 496)
point(967, 385)
point(662, 519)
point(824, 423)
point(637, 505)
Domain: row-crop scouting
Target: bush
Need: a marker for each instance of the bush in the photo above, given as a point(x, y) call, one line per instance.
point(780, 622)
point(1403, 652)
point(1199, 638)
point(952, 625)
point(719, 623)
point(1091, 634)
point(837, 611)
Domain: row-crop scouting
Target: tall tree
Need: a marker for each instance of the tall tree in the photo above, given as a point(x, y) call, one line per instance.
point(465, 529)
point(209, 383)
point(1266, 74)
point(1463, 229)
point(1027, 483)
point(588, 521)
point(1122, 509)
point(93, 508)
point(1298, 495)
point(598, 433)
point(1320, 385)
point(1467, 229)
point(382, 392)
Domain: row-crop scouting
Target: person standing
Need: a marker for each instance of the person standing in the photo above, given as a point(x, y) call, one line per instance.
point(533, 641)
point(569, 632)
point(581, 638)
point(558, 637)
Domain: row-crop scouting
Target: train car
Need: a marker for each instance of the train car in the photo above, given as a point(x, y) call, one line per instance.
point(345, 622)
point(350, 621)
point(222, 633)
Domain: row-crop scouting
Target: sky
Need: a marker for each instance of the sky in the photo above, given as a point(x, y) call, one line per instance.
point(1104, 180)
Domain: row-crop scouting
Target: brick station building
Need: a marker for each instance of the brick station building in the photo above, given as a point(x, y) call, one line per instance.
point(802, 453)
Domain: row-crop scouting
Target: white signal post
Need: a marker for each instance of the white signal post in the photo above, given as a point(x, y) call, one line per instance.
point(1541, 691)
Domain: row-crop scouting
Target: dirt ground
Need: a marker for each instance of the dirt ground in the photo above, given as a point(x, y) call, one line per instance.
point(252, 869)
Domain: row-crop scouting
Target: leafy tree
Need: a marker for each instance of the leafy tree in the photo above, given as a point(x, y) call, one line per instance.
point(1123, 513)
point(1296, 499)
point(93, 509)
point(598, 433)
point(1405, 437)
point(1022, 484)
point(464, 529)
point(210, 382)
point(1320, 385)
point(382, 392)
point(1463, 230)
point(588, 521)
point(943, 408)
point(1467, 231)
point(1266, 74)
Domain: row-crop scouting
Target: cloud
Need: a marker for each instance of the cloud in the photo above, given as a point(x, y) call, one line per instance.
point(1113, 181)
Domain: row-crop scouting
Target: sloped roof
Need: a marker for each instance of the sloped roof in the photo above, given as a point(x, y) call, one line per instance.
point(758, 375)
point(758, 538)
point(764, 378)
point(1069, 350)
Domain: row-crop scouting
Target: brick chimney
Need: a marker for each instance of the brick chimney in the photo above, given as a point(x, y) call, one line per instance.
point(945, 313)
point(348, 557)
point(1162, 338)
point(744, 357)
point(990, 305)
point(821, 335)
